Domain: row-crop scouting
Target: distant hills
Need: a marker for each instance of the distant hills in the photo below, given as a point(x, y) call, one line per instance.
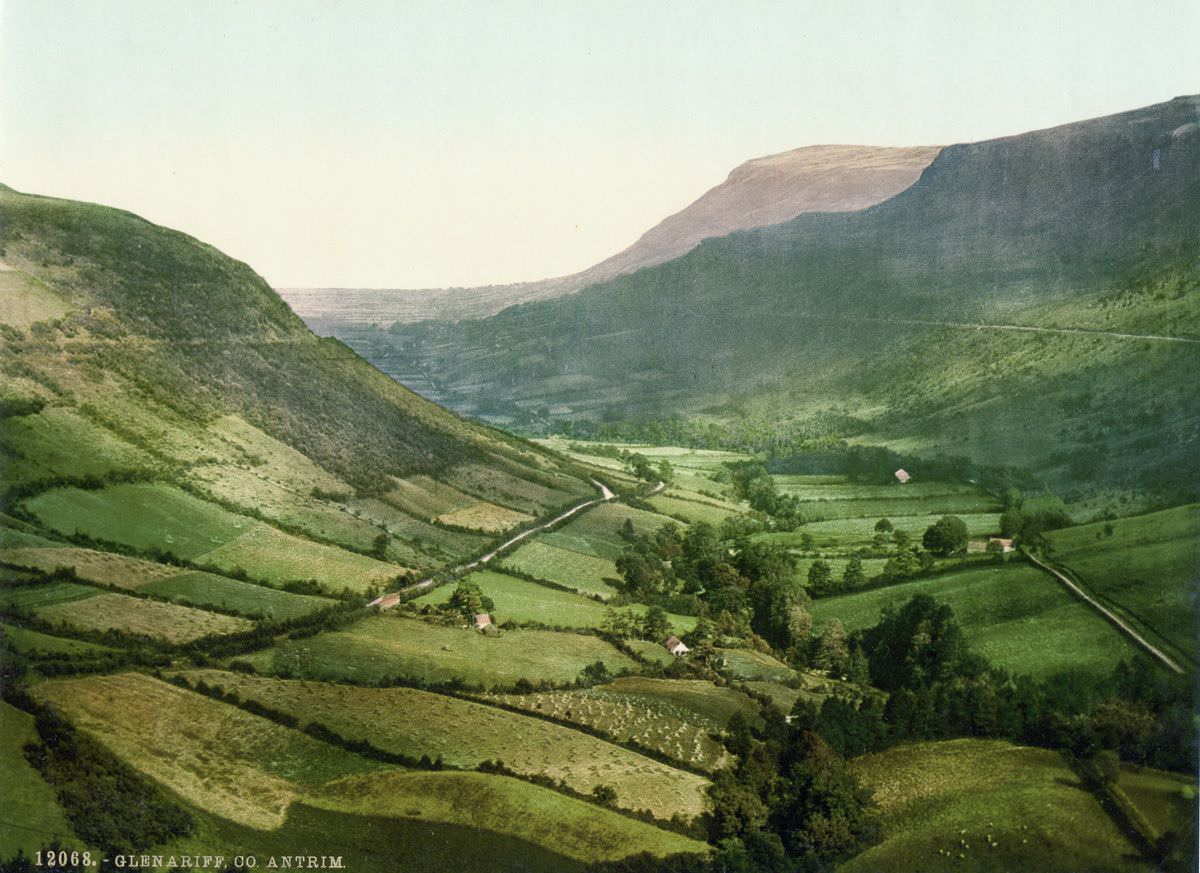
point(1031, 300)
point(763, 191)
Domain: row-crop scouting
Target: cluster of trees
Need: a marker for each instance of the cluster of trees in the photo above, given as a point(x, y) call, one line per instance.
point(744, 587)
point(468, 600)
point(107, 804)
point(1028, 519)
point(790, 804)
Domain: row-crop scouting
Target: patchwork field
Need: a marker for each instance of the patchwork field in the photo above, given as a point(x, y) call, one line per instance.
point(189, 588)
point(1015, 615)
point(410, 722)
point(1145, 567)
point(30, 811)
point(585, 573)
point(578, 830)
point(224, 760)
point(151, 516)
point(386, 646)
point(169, 622)
point(520, 600)
point(986, 805)
point(1168, 800)
point(674, 717)
point(35, 597)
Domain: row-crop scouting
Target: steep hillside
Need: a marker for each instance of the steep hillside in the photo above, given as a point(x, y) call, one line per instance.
point(1031, 300)
point(760, 192)
point(144, 372)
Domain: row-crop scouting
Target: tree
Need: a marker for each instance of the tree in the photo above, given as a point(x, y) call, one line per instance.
point(820, 577)
point(883, 526)
point(853, 575)
point(947, 536)
point(833, 652)
point(655, 625)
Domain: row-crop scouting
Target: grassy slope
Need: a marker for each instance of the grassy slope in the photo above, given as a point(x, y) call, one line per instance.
point(1146, 569)
point(1015, 615)
point(950, 796)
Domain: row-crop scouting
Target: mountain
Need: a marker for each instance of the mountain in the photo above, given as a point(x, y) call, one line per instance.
point(135, 357)
point(763, 191)
point(1031, 300)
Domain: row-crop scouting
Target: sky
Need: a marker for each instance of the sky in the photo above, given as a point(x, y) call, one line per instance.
point(411, 144)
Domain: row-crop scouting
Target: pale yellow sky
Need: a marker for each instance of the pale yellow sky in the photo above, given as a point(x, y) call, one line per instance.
point(418, 144)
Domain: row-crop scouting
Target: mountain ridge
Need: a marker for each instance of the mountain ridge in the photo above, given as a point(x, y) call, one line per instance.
point(761, 191)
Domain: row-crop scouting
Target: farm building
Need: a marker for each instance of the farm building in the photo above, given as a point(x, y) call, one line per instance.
point(675, 646)
point(976, 547)
point(1006, 545)
point(902, 476)
point(482, 620)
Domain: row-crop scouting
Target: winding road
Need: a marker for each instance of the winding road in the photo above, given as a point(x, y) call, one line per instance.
point(392, 598)
point(1109, 614)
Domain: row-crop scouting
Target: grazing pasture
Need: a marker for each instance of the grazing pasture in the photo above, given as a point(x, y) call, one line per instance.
point(410, 722)
point(587, 574)
point(224, 760)
point(986, 805)
point(1015, 615)
point(36, 597)
point(1167, 800)
point(58, 442)
point(386, 646)
point(103, 568)
point(1145, 567)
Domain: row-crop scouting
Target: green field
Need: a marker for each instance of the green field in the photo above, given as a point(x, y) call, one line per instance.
point(38, 596)
point(840, 488)
point(943, 806)
point(222, 759)
point(483, 803)
point(692, 511)
point(162, 517)
point(674, 717)
point(31, 815)
point(230, 595)
point(410, 722)
point(57, 442)
point(188, 588)
point(386, 646)
point(582, 572)
point(140, 515)
point(750, 664)
point(1146, 569)
point(36, 643)
point(169, 622)
point(597, 531)
point(520, 600)
point(1016, 616)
